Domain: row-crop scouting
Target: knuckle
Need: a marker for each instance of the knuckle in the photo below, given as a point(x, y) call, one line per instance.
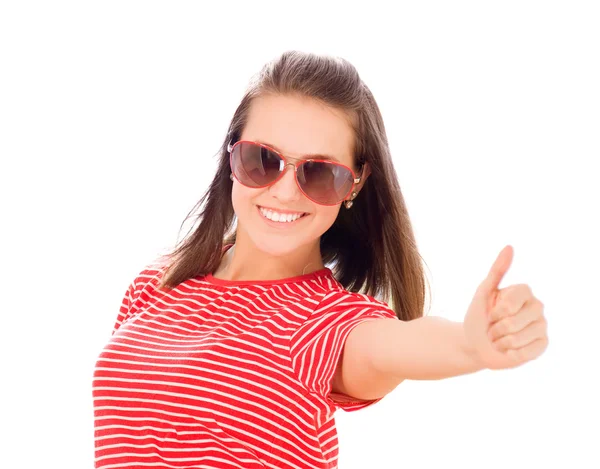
point(516, 355)
point(509, 341)
point(538, 317)
point(542, 327)
point(525, 289)
point(508, 325)
point(540, 348)
point(538, 306)
point(505, 308)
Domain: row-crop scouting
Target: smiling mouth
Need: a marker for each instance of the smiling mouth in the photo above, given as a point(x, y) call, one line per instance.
point(279, 217)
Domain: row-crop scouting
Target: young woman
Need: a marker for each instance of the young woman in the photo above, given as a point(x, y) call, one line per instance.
point(300, 292)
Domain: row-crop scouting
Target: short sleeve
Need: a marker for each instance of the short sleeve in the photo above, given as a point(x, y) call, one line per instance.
point(137, 294)
point(126, 307)
point(316, 346)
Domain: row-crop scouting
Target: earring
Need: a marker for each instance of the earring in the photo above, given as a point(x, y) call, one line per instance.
point(349, 203)
point(231, 176)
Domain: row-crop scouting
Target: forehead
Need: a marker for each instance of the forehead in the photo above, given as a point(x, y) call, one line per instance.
point(298, 126)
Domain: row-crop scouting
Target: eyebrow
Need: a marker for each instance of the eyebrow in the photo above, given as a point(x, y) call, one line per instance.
point(311, 156)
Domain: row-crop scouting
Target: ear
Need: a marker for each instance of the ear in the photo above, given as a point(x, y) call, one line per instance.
point(366, 172)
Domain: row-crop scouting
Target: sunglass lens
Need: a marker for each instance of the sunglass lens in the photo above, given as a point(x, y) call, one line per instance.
point(254, 165)
point(325, 183)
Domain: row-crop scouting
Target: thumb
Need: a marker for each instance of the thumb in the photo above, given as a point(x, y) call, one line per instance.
point(496, 273)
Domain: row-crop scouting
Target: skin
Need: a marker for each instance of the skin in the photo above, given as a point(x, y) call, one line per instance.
point(297, 127)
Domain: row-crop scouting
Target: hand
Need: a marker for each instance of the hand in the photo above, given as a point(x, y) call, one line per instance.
point(505, 328)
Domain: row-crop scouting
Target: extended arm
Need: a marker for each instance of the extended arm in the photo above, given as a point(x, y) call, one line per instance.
point(503, 328)
point(380, 354)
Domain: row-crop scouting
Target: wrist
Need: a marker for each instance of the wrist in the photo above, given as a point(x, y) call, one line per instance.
point(472, 355)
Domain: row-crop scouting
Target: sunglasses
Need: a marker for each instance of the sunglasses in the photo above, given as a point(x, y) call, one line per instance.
point(257, 165)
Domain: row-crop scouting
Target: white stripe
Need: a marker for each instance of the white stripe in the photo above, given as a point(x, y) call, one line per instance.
point(164, 463)
point(268, 352)
point(239, 429)
point(257, 373)
point(185, 353)
point(257, 416)
point(242, 393)
point(173, 449)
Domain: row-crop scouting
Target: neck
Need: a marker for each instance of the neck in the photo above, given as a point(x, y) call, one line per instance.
point(245, 261)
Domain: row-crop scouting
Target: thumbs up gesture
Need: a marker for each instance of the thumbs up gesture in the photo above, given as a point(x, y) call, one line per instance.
point(505, 327)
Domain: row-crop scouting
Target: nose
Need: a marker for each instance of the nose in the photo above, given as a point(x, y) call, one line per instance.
point(286, 190)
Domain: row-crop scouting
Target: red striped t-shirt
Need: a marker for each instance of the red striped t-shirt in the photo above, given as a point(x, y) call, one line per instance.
point(225, 374)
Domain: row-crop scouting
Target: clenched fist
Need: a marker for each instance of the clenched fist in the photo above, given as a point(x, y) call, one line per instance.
point(505, 327)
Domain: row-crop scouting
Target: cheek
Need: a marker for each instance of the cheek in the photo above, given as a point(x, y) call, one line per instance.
point(241, 199)
point(325, 217)
point(235, 198)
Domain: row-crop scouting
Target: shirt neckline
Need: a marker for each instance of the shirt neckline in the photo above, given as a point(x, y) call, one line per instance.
point(299, 278)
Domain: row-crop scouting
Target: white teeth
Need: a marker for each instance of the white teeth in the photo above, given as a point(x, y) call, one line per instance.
point(279, 217)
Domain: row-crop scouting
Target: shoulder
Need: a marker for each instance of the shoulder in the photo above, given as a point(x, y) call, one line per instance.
point(344, 300)
point(148, 279)
point(150, 274)
point(340, 310)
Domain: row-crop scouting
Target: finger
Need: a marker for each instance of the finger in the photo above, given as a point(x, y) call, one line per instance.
point(496, 273)
point(531, 312)
point(510, 300)
point(529, 352)
point(534, 331)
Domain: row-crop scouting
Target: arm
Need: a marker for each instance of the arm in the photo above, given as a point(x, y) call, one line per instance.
point(380, 354)
point(503, 328)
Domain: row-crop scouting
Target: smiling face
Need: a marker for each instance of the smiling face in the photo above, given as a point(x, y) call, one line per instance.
point(295, 127)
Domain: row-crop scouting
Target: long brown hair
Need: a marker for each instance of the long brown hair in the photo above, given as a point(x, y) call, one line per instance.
point(370, 248)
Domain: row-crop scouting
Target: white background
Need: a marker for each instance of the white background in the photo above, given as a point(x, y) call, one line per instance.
point(111, 114)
